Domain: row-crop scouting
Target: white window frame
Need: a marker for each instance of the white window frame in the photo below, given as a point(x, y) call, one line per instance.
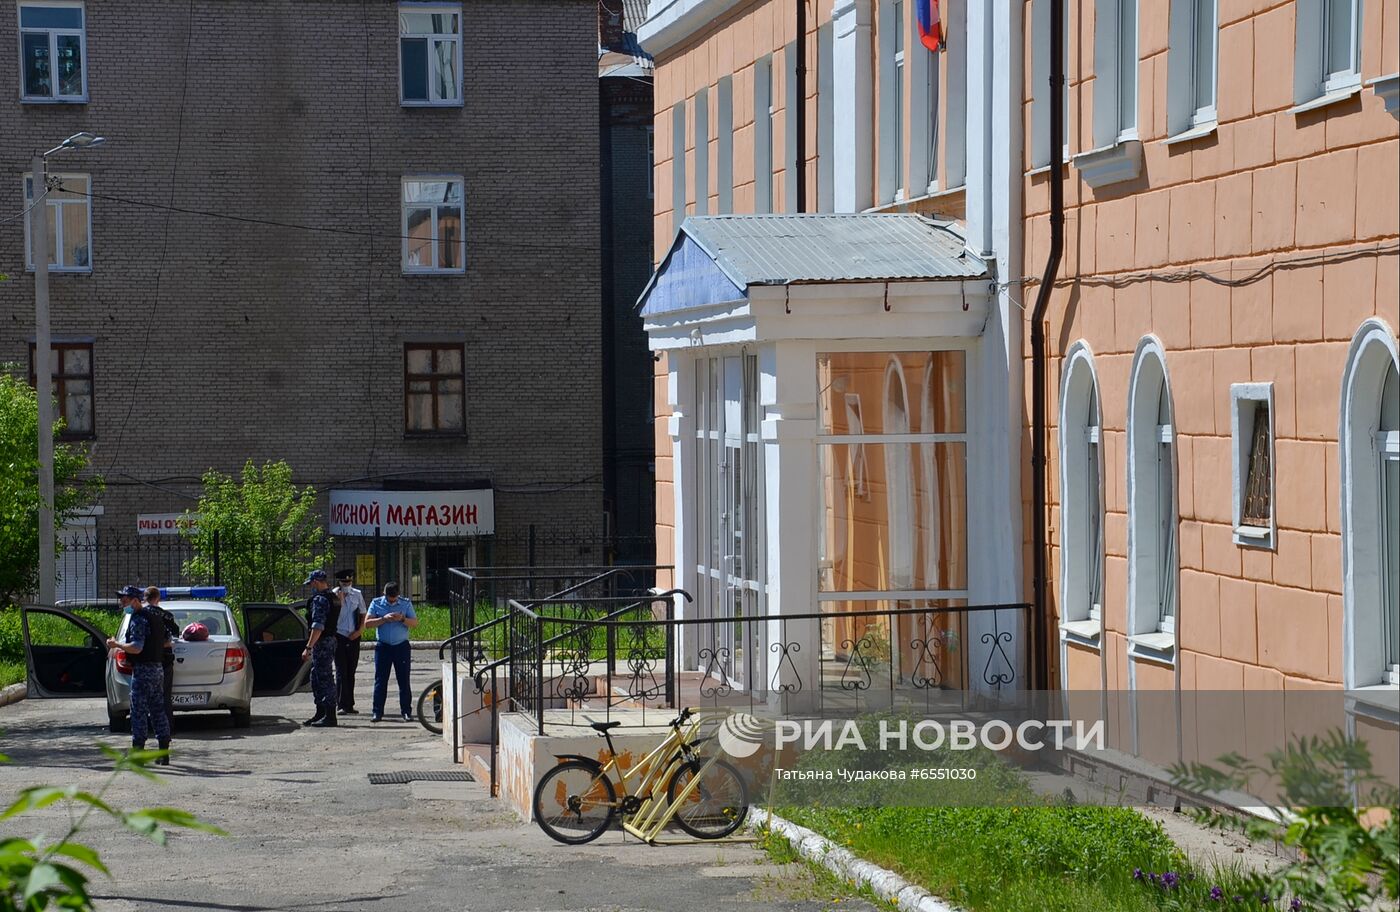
point(53, 34)
point(826, 118)
point(1318, 80)
point(405, 206)
point(1185, 119)
point(56, 221)
point(1364, 567)
point(926, 105)
point(763, 134)
point(678, 190)
point(1112, 81)
point(702, 151)
point(1245, 398)
point(724, 136)
point(431, 38)
point(891, 183)
point(1154, 565)
point(1082, 513)
point(1040, 88)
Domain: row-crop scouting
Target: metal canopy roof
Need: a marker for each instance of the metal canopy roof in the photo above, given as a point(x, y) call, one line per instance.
point(807, 248)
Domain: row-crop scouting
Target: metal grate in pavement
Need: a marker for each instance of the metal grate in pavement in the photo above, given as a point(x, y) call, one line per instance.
point(401, 777)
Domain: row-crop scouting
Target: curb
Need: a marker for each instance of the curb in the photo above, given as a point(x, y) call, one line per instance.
point(14, 693)
point(887, 885)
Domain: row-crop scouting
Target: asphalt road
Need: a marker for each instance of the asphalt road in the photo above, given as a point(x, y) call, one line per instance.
point(308, 832)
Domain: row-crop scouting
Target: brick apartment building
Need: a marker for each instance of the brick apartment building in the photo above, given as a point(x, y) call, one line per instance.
point(359, 237)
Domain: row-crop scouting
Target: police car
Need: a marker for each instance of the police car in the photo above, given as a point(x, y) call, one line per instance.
point(68, 657)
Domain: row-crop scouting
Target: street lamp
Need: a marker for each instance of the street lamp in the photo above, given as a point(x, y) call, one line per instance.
point(43, 353)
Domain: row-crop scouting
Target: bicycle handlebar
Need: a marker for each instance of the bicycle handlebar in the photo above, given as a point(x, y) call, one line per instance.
point(683, 718)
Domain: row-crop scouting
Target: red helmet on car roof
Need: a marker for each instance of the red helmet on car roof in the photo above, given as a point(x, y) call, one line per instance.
point(195, 632)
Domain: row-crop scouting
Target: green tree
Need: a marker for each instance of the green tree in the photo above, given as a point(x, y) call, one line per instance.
point(1341, 817)
point(39, 874)
point(19, 486)
point(264, 530)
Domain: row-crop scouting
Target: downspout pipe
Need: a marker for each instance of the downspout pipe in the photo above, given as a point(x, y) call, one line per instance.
point(799, 122)
point(1039, 366)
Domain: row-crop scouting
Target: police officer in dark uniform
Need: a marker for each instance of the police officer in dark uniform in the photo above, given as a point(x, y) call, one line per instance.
point(323, 610)
point(146, 640)
point(167, 658)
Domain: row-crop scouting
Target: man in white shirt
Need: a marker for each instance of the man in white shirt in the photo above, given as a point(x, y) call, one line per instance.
point(349, 628)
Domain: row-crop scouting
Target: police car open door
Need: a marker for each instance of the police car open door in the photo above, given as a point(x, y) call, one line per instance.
point(66, 656)
point(277, 634)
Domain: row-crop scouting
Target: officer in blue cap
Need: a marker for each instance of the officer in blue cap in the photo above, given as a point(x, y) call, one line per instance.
point(323, 609)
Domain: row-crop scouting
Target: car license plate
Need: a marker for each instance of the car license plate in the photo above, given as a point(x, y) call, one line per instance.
point(196, 699)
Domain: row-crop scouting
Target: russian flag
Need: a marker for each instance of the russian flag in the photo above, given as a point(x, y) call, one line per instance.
point(931, 25)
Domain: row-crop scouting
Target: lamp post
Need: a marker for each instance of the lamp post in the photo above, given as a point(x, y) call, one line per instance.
point(43, 354)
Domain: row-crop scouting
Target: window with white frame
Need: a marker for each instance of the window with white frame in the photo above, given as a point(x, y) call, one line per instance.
point(430, 54)
point(925, 106)
point(892, 28)
point(724, 152)
point(763, 134)
point(1327, 58)
point(1252, 446)
point(1370, 485)
point(1192, 66)
point(1153, 563)
point(702, 151)
point(1115, 71)
point(53, 51)
point(434, 225)
point(677, 164)
point(70, 222)
point(791, 173)
point(826, 117)
point(1040, 90)
point(1081, 503)
point(954, 151)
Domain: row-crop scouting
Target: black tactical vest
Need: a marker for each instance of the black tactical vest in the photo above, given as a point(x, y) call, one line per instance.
point(153, 650)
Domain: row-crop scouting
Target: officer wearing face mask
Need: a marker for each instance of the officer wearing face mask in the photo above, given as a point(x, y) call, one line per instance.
point(130, 600)
point(348, 632)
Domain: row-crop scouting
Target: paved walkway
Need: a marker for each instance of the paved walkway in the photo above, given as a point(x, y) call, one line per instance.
point(308, 831)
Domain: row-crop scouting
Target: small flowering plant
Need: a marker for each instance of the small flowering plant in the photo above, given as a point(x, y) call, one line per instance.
point(1227, 891)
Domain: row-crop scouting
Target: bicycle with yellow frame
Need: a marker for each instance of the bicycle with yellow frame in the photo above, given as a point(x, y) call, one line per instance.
point(577, 800)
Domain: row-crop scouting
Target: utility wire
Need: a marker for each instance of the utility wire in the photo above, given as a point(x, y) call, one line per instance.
point(297, 226)
point(26, 210)
point(136, 376)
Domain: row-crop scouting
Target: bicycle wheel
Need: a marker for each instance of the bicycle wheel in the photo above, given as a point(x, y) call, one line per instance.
point(574, 802)
point(718, 804)
point(430, 708)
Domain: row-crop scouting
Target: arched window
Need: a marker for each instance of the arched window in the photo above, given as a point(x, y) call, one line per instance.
point(1081, 497)
point(1369, 449)
point(1152, 506)
point(899, 479)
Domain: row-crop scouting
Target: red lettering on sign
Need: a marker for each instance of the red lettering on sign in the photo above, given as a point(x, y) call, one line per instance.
point(432, 517)
point(470, 511)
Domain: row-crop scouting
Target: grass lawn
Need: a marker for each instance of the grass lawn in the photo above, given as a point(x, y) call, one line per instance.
point(1031, 859)
point(11, 672)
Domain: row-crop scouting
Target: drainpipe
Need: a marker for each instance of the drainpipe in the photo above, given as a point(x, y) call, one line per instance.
point(1040, 574)
point(800, 115)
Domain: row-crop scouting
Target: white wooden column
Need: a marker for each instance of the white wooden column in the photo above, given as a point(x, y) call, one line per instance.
point(854, 127)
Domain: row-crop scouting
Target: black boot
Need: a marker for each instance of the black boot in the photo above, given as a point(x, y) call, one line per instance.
point(164, 761)
point(320, 714)
point(327, 720)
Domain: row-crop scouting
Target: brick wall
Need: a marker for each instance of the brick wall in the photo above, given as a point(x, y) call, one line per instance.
point(266, 343)
point(1267, 187)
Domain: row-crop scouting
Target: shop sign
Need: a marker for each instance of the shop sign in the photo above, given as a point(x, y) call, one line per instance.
point(413, 513)
point(165, 523)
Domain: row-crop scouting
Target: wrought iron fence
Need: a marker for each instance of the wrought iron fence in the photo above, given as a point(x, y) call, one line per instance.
point(92, 566)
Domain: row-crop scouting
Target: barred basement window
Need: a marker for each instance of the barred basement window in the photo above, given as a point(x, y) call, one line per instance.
point(1257, 508)
point(72, 386)
point(434, 380)
point(1252, 443)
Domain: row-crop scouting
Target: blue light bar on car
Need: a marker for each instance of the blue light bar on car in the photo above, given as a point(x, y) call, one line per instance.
point(199, 592)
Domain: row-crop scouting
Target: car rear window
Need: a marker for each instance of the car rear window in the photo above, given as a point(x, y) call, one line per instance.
point(216, 621)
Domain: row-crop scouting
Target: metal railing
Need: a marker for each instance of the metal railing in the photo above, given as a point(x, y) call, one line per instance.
point(599, 655)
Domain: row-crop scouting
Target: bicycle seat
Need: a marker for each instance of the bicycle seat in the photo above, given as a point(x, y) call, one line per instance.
point(604, 726)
